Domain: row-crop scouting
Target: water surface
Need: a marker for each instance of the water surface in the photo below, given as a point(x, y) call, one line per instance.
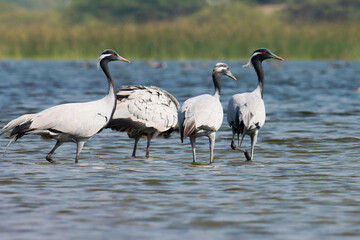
point(303, 184)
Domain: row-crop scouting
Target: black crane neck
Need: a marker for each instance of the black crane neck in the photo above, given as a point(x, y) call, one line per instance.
point(112, 88)
point(217, 83)
point(257, 63)
point(105, 68)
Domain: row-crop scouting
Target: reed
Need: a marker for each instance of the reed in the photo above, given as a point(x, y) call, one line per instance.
point(229, 32)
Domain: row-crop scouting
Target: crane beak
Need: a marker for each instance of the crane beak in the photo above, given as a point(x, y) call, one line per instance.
point(277, 57)
point(123, 59)
point(230, 75)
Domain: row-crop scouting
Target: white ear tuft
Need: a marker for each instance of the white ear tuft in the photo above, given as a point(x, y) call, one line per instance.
point(102, 56)
point(249, 64)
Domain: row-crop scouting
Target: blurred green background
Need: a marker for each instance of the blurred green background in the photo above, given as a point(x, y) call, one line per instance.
point(179, 29)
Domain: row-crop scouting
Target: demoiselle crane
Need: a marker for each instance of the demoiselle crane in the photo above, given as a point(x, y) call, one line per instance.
point(71, 122)
point(144, 111)
point(246, 111)
point(203, 115)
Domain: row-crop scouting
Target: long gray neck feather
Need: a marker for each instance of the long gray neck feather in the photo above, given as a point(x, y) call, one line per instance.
point(260, 73)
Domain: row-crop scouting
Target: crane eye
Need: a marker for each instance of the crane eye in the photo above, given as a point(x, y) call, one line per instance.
point(264, 52)
point(113, 54)
point(228, 68)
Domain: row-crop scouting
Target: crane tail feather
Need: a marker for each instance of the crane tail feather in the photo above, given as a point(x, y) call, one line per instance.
point(189, 127)
point(18, 127)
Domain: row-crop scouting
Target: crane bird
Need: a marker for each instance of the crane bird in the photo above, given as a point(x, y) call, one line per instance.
point(203, 115)
point(71, 122)
point(246, 111)
point(144, 111)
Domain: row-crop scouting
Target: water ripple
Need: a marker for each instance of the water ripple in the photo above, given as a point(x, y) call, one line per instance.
point(303, 184)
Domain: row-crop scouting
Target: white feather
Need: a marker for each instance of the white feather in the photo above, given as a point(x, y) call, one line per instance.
point(101, 57)
point(249, 64)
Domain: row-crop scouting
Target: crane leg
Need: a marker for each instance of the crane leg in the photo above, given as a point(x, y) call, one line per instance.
point(193, 142)
point(246, 153)
point(242, 136)
point(253, 143)
point(80, 145)
point(212, 144)
point(149, 137)
point(233, 146)
point(49, 156)
point(135, 146)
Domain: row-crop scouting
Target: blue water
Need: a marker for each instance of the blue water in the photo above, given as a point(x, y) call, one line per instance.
point(303, 184)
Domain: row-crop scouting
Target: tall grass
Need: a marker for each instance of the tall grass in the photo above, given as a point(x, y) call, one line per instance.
point(228, 32)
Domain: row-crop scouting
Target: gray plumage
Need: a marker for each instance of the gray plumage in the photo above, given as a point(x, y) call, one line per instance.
point(246, 111)
point(144, 111)
point(203, 115)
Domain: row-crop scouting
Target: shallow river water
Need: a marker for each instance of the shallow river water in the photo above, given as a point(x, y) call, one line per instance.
point(303, 184)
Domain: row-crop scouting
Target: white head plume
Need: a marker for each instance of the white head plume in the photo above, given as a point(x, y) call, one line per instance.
point(102, 56)
point(249, 64)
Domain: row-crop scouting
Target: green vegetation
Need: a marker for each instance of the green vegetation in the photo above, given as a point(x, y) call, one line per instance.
point(212, 31)
point(329, 10)
point(131, 11)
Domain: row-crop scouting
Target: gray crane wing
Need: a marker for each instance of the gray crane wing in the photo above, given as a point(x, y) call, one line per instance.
point(141, 107)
